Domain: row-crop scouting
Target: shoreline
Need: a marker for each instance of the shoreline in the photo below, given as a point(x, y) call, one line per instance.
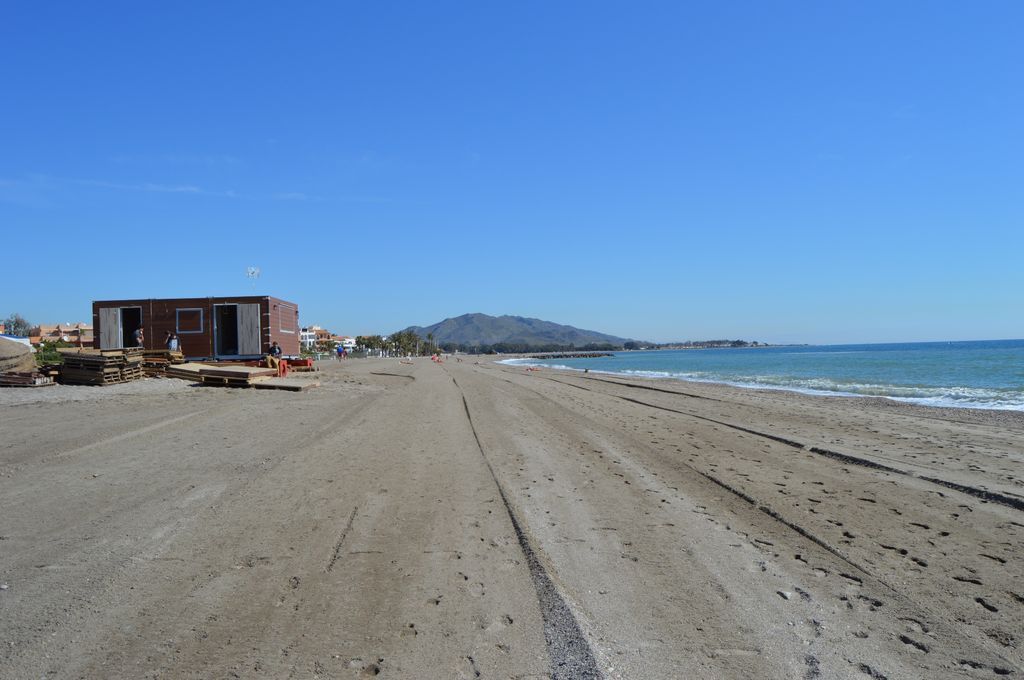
point(807, 392)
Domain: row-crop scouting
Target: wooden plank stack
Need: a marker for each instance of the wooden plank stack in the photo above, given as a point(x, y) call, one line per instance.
point(187, 371)
point(25, 379)
point(156, 361)
point(235, 376)
point(101, 366)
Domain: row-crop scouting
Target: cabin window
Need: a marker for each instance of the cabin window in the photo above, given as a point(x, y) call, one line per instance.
point(189, 320)
point(287, 318)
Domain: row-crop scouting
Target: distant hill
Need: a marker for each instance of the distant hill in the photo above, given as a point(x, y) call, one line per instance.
point(484, 330)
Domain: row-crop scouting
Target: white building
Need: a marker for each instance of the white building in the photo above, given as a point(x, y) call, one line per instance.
point(307, 337)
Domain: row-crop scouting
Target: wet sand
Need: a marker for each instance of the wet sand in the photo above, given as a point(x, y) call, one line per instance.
point(478, 520)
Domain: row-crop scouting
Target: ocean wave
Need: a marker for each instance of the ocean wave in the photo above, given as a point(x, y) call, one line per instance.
point(538, 363)
point(944, 396)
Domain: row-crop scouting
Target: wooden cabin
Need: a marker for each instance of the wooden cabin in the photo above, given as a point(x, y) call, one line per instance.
point(241, 327)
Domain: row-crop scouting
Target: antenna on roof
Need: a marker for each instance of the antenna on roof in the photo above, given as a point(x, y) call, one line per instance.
point(252, 273)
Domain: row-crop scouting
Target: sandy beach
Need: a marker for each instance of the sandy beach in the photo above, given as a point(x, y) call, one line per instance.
point(472, 520)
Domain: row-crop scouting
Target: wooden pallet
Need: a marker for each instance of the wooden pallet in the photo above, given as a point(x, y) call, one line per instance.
point(25, 379)
point(75, 371)
point(101, 361)
point(237, 372)
point(101, 366)
point(88, 352)
point(286, 384)
point(78, 376)
point(187, 371)
point(165, 355)
point(221, 381)
point(91, 381)
point(78, 362)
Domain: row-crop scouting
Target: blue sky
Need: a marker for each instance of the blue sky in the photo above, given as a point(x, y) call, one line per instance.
point(783, 172)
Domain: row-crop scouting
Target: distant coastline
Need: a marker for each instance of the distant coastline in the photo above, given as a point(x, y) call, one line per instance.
point(699, 344)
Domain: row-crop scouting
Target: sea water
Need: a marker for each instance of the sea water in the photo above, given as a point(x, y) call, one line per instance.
point(980, 374)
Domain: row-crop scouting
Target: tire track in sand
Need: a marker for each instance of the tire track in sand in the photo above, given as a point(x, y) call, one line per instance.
point(124, 435)
point(571, 656)
point(998, 663)
point(984, 494)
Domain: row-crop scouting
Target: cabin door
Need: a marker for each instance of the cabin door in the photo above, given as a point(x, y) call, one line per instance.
point(236, 330)
point(118, 326)
point(249, 330)
point(225, 330)
point(131, 321)
point(110, 328)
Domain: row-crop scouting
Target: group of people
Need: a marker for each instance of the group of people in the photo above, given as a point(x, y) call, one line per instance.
point(171, 342)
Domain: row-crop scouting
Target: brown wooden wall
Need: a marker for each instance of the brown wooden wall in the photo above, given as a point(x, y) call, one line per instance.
point(281, 313)
point(160, 316)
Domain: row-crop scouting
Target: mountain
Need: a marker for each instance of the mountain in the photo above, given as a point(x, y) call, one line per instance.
point(482, 329)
